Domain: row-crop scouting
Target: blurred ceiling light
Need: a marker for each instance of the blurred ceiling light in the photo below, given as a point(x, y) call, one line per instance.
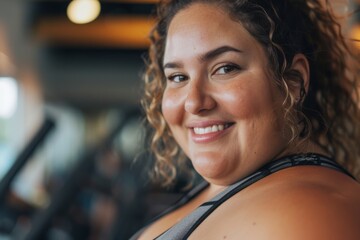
point(134, 32)
point(8, 96)
point(83, 11)
point(355, 26)
point(355, 35)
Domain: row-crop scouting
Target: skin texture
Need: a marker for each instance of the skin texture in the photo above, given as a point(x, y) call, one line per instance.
point(230, 87)
point(233, 86)
point(286, 205)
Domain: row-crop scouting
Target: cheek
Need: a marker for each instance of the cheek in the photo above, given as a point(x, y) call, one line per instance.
point(172, 105)
point(240, 102)
point(248, 101)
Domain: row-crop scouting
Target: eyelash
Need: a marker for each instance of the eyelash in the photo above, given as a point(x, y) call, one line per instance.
point(232, 67)
point(172, 78)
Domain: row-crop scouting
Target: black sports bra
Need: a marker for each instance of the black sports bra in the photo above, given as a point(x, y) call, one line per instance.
point(184, 228)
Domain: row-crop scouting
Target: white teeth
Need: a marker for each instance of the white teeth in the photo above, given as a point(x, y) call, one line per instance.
point(214, 128)
point(208, 130)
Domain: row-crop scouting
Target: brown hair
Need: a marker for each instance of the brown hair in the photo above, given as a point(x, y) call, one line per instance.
point(327, 114)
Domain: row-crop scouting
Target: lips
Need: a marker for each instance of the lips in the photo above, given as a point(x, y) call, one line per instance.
point(210, 129)
point(205, 132)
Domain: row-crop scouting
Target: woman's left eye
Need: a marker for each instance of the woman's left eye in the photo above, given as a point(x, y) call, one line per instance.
point(226, 69)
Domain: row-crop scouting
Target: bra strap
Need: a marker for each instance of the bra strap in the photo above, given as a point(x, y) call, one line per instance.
point(187, 225)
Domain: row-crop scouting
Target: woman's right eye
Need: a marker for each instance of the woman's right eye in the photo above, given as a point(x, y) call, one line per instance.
point(177, 78)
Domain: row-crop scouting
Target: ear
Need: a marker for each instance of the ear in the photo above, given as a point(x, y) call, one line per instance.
point(301, 65)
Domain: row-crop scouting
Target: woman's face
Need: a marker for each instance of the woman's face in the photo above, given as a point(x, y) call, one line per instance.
point(220, 102)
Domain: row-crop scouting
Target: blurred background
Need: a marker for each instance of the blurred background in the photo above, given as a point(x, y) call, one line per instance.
point(73, 158)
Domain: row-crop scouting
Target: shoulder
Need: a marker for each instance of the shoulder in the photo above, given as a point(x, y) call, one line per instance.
point(297, 203)
point(309, 203)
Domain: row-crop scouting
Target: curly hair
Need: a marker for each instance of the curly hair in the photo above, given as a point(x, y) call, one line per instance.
point(328, 113)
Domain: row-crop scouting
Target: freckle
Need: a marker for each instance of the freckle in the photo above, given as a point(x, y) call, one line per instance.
point(254, 224)
point(225, 237)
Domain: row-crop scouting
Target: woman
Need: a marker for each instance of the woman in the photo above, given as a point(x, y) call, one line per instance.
point(259, 97)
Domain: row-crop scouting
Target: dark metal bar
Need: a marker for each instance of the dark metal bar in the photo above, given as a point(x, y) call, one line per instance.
point(24, 156)
point(73, 183)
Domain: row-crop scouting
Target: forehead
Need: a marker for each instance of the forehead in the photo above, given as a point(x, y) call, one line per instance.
point(201, 27)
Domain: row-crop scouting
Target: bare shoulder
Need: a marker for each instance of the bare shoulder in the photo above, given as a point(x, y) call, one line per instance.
point(315, 203)
point(297, 203)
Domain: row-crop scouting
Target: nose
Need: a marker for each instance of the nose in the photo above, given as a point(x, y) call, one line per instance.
point(199, 98)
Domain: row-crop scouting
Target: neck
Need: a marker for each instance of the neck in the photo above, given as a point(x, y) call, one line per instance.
point(303, 147)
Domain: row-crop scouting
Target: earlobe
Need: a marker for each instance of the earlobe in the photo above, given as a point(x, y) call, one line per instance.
point(301, 65)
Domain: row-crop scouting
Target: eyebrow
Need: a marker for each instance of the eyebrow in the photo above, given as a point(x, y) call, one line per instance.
point(207, 56)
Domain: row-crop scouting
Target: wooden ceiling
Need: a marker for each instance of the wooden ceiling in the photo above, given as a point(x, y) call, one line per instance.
point(118, 32)
point(121, 24)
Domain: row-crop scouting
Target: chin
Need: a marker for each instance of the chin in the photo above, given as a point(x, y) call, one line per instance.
point(210, 167)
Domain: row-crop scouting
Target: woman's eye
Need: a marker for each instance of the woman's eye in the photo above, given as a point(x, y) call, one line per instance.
point(177, 78)
point(226, 69)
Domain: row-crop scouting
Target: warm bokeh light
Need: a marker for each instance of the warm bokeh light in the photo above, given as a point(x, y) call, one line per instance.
point(83, 11)
point(8, 97)
point(355, 35)
point(121, 31)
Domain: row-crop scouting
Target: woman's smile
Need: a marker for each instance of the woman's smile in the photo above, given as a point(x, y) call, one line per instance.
point(220, 102)
point(208, 131)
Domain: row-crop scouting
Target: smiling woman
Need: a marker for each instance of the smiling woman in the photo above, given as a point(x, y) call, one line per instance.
point(221, 81)
point(256, 94)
